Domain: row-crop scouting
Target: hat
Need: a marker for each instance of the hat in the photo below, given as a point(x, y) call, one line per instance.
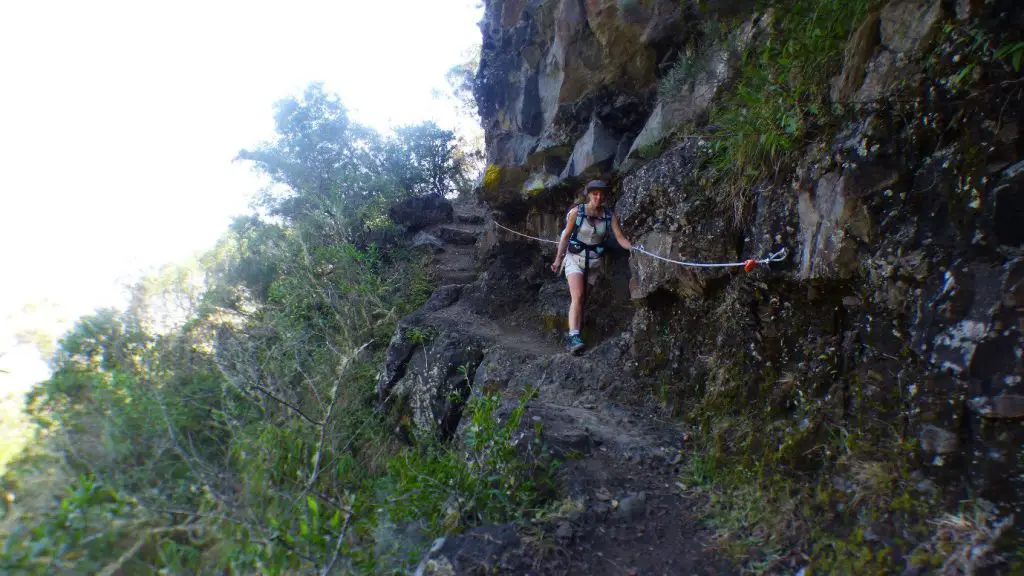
point(599, 184)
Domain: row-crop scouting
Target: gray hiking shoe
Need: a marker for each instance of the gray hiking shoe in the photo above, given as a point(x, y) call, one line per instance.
point(574, 343)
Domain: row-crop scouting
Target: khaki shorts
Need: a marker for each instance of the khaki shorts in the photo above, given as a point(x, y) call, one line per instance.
point(574, 265)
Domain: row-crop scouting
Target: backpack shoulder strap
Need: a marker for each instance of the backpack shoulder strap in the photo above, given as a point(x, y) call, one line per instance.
point(608, 214)
point(580, 214)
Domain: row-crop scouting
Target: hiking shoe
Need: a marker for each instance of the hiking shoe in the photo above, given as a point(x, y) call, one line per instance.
point(574, 344)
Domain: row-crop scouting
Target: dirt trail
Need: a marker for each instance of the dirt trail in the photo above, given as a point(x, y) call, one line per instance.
point(620, 460)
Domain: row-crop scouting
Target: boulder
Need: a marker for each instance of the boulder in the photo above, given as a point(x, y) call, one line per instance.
point(490, 549)
point(429, 369)
point(421, 211)
point(828, 216)
point(457, 236)
point(855, 59)
point(680, 222)
point(935, 440)
point(502, 186)
point(906, 26)
point(428, 241)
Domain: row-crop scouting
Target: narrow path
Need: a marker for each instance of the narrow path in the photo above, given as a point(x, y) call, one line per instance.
point(620, 463)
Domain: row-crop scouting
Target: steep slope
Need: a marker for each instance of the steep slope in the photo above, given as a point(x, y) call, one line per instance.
point(850, 397)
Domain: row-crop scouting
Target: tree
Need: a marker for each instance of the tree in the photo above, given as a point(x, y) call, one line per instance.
point(432, 159)
point(102, 341)
point(461, 80)
point(341, 176)
point(318, 155)
point(316, 143)
point(244, 263)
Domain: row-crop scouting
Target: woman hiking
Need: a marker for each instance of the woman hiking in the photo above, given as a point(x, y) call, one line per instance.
point(586, 228)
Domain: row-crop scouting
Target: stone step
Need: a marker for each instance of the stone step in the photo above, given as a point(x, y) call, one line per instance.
point(464, 226)
point(453, 235)
point(456, 277)
point(470, 218)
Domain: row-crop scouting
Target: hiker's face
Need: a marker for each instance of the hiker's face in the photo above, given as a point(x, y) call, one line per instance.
point(596, 196)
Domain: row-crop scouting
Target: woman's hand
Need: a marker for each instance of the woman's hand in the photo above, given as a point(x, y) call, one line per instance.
point(556, 264)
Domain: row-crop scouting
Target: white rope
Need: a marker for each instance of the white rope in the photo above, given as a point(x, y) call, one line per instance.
point(772, 257)
point(525, 235)
point(777, 256)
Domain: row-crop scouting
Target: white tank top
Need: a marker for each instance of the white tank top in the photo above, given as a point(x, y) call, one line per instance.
point(589, 233)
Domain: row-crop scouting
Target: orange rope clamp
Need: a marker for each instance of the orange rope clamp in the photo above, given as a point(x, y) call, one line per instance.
point(749, 265)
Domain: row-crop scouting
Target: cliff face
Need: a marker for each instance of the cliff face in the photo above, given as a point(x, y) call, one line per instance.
point(881, 363)
point(897, 317)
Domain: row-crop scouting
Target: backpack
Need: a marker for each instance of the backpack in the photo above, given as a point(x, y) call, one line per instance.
point(576, 245)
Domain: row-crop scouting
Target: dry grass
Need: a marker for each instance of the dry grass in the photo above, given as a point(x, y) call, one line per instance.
point(965, 543)
point(873, 482)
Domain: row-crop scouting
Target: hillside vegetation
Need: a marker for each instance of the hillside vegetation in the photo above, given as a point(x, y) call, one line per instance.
point(226, 418)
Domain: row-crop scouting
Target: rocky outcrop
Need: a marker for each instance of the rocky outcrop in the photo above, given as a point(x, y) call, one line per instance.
point(565, 86)
point(905, 30)
point(450, 232)
point(491, 549)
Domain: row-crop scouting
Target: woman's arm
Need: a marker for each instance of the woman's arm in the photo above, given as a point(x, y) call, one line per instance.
point(563, 242)
point(619, 235)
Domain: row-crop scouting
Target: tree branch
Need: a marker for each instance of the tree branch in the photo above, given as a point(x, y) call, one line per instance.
point(112, 569)
point(341, 538)
point(330, 411)
point(286, 403)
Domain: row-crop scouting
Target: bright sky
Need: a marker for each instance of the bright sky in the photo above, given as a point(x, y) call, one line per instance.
point(119, 121)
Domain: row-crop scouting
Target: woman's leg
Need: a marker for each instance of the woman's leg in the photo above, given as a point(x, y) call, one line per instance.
point(576, 304)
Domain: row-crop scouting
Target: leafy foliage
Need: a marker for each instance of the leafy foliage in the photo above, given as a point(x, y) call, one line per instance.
point(224, 420)
point(461, 79)
point(75, 536)
point(488, 480)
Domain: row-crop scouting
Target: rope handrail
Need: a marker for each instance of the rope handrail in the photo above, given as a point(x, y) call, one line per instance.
point(524, 235)
point(777, 256)
point(748, 265)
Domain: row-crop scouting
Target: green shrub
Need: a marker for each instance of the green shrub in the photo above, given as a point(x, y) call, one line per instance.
point(83, 533)
point(781, 95)
point(486, 479)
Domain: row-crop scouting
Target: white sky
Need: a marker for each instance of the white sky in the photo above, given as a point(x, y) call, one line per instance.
point(119, 121)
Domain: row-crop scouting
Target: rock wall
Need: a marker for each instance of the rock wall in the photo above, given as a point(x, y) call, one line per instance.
point(899, 310)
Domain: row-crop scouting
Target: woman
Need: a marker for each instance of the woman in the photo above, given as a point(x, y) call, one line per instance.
point(586, 228)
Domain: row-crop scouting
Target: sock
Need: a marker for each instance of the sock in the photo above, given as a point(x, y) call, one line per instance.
point(574, 332)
